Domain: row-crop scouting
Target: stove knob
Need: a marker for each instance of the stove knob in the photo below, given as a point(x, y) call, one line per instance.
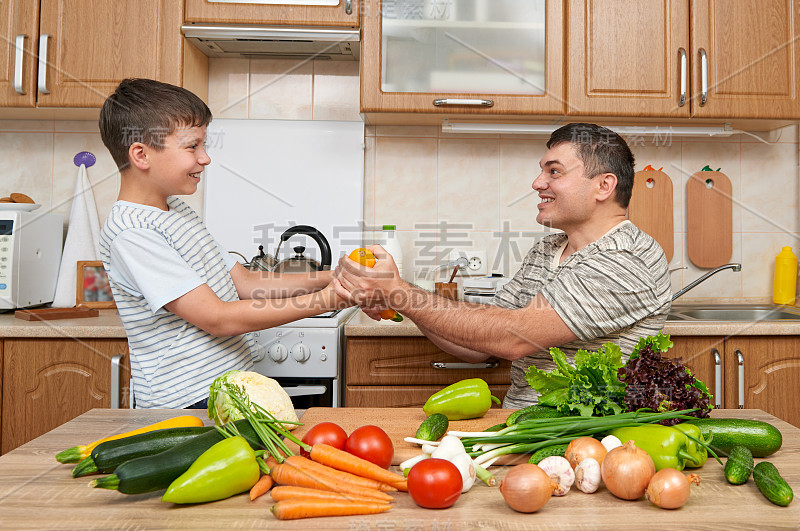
point(277, 352)
point(301, 352)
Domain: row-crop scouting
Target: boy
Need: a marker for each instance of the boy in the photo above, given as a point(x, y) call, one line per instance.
point(185, 303)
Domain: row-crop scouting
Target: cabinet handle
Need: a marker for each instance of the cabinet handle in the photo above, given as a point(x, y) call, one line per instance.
point(348, 7)
point(42, 77)
point(717, 378)
point(19, 57)
point(115, 369)
point(740, 363)
point(684, 88)
point(703, 77)
point(456, 101)
point(443, 365)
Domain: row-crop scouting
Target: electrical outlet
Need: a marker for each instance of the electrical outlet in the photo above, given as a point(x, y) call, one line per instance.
point(476, 262)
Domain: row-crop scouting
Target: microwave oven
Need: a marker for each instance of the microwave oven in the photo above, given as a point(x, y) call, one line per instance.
point(30, 254)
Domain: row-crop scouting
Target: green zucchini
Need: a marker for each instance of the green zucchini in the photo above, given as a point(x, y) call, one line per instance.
point(548, 451)
point(433, 427)
point(109, 455)
point(533, 412)
point(739, 465)
point(761, 438)
point(771, 484)
point(156, 472)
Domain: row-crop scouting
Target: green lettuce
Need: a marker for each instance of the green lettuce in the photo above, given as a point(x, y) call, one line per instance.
point(589, 388)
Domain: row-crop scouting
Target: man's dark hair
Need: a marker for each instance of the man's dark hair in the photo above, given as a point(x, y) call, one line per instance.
point(602, 151)
point(147, 111)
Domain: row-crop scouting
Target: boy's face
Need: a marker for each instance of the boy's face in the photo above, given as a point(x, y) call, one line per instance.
point(177, 167)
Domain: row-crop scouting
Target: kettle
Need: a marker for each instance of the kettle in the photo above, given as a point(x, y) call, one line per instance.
point(297, 263)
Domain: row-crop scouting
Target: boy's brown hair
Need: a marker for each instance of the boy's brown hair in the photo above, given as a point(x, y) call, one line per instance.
point(147, 111)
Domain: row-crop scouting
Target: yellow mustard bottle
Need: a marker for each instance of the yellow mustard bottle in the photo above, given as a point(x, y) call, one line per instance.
point(784, 289)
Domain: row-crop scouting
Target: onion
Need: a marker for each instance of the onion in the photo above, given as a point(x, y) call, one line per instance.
point(583, 448)
point(669, 489)
point(627, 471)
point(527, 488)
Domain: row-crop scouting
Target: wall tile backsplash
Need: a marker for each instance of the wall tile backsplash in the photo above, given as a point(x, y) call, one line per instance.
point(446, 191)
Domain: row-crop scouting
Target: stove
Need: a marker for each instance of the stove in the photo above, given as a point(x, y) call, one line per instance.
point(307, 358)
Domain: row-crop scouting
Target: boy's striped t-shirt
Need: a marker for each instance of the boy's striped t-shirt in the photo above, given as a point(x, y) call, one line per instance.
point(616, 289)
point(173, 361)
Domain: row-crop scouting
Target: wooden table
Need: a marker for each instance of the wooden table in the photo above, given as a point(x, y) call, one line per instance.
point(36, 492)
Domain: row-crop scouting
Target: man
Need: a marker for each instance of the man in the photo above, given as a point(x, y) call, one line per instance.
point(601, 280)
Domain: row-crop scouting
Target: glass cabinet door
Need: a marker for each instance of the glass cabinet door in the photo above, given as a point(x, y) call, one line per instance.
point(502, 55)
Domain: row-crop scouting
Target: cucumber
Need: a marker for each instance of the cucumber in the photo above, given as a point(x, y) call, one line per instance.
point(433, 427)
point(533, 412)
point(739, 465)
point(771, 484)
point(156, 472)
point(761, 438)
point(109, 455)
point(548, 451)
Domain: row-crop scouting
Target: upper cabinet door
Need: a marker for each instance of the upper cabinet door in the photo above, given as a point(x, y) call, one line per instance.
point(91, 46)
point(490, 57)
point(300, 12)
point(19, 26)
point(628, 58)
point(746, 58)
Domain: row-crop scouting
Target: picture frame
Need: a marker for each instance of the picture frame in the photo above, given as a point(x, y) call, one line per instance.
point(93, 289)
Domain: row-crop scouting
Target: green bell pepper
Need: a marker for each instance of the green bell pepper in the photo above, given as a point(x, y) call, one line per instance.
point(467, 399)
point(667, 446)
point(227, 468)
point(697, 445)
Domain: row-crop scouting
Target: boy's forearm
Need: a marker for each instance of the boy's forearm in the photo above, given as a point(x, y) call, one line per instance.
point(269, 285)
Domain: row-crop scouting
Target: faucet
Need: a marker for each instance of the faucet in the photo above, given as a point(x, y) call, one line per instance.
point(735, 267)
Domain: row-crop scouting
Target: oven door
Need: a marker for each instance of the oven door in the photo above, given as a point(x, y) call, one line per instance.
point(312, 392)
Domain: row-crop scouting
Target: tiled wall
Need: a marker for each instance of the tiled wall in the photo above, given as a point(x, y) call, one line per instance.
point(444, 190)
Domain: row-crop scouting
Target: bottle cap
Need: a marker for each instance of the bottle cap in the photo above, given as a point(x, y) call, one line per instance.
point(390, 227)
point(785, 247)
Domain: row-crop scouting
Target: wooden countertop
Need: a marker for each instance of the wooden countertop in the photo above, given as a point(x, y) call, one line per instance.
point(105, 325)
point(36, 492)
point(362, 326)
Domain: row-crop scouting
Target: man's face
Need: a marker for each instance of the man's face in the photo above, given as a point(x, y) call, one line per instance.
point(567, 196)
point(179, 164)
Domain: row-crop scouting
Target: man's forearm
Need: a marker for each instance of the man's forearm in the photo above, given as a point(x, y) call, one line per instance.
point(463, 353)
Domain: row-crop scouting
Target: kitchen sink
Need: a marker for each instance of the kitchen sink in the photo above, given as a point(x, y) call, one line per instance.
point(763, 312)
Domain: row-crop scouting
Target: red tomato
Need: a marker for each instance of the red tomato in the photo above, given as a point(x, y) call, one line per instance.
point(325, 432)
point(434, 483)
point(371, 443)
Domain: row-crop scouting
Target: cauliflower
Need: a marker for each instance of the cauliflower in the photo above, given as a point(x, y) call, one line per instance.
point(260, 390)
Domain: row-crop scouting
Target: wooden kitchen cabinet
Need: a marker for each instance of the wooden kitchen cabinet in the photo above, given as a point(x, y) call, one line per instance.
point(47, 382)
point(398, 372)
point(627, 59)
point(344, 14)
point(462, 58)
point(89, 47)
point(755, 371)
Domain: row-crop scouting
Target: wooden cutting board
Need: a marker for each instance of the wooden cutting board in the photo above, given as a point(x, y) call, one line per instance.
point(650, 208)
point(709, 219)
point(398, 423)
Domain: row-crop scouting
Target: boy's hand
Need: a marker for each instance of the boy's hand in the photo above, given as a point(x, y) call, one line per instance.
point(370, 286)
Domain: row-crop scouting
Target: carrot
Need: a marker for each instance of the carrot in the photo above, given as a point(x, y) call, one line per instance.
point(308, 508)
point(288, 475)
point(286, 492)
point(261, 487)
point(301, 462)
point(341, 460)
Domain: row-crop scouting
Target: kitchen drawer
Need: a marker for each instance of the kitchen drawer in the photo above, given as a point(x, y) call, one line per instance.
point(401, 395)
point(407, 361)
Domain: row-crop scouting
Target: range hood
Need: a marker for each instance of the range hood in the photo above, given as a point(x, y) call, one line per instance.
point(274, 42)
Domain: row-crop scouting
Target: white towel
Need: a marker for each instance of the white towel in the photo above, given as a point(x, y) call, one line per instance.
point(82, 243)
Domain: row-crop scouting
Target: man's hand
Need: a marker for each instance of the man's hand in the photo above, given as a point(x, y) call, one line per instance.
point(370, 286)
